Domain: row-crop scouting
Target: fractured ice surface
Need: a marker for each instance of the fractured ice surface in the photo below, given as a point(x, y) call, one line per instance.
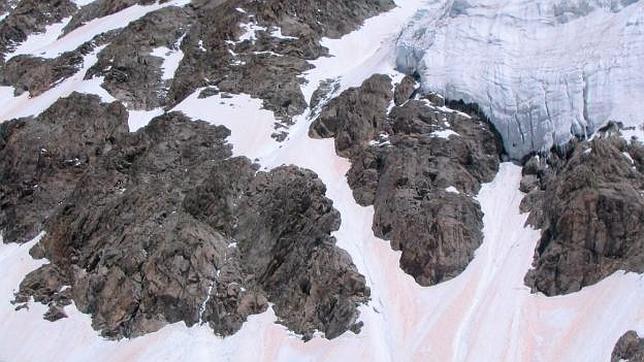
point(541, 70)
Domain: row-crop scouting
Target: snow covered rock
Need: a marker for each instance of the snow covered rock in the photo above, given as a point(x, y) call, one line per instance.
point(542, 71)
point(402, 168)
point(28, 17)
point(163, 226)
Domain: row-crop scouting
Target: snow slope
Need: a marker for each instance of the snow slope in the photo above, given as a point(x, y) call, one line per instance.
point(50, 44)
point(24, 105)
point(484, 314)
point(542, 70)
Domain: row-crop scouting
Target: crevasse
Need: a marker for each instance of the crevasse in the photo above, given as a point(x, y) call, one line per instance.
point(543, 71)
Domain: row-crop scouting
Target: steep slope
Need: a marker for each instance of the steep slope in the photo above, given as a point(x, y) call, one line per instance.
point(483, 312)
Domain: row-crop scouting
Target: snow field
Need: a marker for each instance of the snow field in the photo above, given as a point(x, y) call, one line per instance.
point(484, 314)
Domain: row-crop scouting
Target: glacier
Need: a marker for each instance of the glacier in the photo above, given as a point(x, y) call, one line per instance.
point(542, 71)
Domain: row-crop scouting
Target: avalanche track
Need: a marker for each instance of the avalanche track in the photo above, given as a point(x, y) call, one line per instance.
point(486, 313)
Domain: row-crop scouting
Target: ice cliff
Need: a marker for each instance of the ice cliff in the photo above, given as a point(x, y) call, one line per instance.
point(543, 71)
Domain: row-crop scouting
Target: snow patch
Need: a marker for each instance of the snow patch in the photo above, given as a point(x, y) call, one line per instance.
point(48, 45)
point(37, 43)
point(251, 126)
point(446, 133)
point(139, 119)
point(171, 58)
point(24, 106)
point(484, 314)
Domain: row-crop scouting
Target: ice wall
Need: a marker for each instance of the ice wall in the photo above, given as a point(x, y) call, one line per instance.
point(543, 70)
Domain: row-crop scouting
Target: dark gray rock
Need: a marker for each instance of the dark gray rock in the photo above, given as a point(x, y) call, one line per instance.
point(629, 348)
point(100, 8)
point(355, 117)
point(437, 231)
point(436, 99)
point(163, 226)
point(403, 169)
point(528, 183)
point(313, 284)
point(31, 16)
point(41, 159)
point(590, 206)
point(131, 73)
point(268, 67)
point(37, 75)
point(404, 90)
point(55, 313)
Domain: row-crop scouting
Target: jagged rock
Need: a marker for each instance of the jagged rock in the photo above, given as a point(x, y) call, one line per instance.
point(404, 90)
point(46, 285)
point(55, 313)
point(313, 284)
point(41, 159)
point(209, 92)
point(37, 75)
point(326, 89)
point(266, 67)
point(591, 209)
point(31, 16)
point(435, 99)
point(162, 226)
point(629, 348)
point(528, 183)
point(402, 168)
point(100, 8)
point(131, 73)
point(356, 117)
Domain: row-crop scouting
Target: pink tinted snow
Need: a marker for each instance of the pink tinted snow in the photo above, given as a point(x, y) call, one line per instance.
point(484, 314)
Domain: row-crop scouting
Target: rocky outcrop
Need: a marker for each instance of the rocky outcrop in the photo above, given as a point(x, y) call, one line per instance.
point(36, 75)
point(41, 158)
point(281, 230)
point(420, 166)
point(404, 90)
point(31, 16)
point(243, 52)
point(587, 198)
point(162, 225)
point(257, 48)
point(100, 8)
point(629, 348)
point(356, 117)
point(132, 74)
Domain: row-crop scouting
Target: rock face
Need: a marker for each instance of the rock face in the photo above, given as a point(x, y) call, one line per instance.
point(587, 198)
point(263, 50)
point(131, 72)
point(31, 16)
point(161, 226)
point(420, 167)
point(257, 48)
point(36, 75)
point(100, 8)
point(355, 117)
point(629, 348)
point(41, 159)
